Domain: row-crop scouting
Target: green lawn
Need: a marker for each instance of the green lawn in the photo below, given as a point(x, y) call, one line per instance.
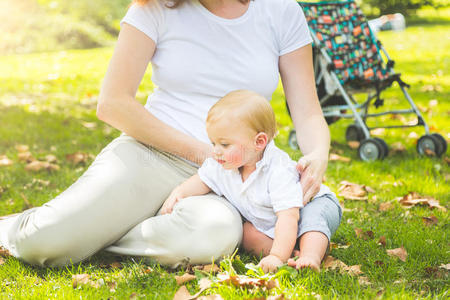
point(48, 101)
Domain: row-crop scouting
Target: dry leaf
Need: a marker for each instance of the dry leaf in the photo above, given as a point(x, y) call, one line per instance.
point(447, 266)
point(211, 268)
point(25, 200)
point(413, 135)
point(133, 295)
point(25, 156)
point(336, 157)
point(353, 144)
point(22, 148)
point(5, 161)
point(363, 280)
point(277, 297)
point(80, 279)
point(89, 125)
point(379, 263)
point(398, 252)
point(354, 270)
point(210, 297)
point(4, 252)
point(2, 261)
point(364, 234)
point(429, 221)
point(51, 158)
point(184, 278)
point(412, 198)
point(38, 165)
point(116, 265)
point(382, 241)
point(385, 206)
point(378, 131)
point(242, 280)
point(353, 191)
point(204, 283)
point(332, 264)
point(77, 158)
point(182, 294)
point(112, 286)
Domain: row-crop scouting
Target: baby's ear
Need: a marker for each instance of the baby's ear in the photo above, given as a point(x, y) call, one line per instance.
point(261, 140)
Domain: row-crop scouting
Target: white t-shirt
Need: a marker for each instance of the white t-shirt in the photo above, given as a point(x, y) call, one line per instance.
point(272, 187)
point(200, 57)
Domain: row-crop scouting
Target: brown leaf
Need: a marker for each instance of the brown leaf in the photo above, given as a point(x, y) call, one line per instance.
point(38, 165)
point(413, 135)
point(379, 263)
point(4, 252)
point(184, 278)
point(25, 200)
point(182, 294)
point(2, 261)
point(429, 221)
point(25, 156)
point(336, 157)
point(353, 144)
point(112, 286)
point(277, 297)
point(241, 280)
point(385, 206)
point(89, 125)
point(429, 152)
point(363, 280)
point(5, 161)
point(77, 158)
point(353, 191)
point(210, 297)
point(147, 270)
point(382, 241)
point(354, 270)
point(51, 158)
point(204, 283)
point(398, 252)
point(133, 295)
point(378, 132)
point(116, 265)
point(447, 266)
point(331, 263)
point(413, 198)
point(22, 148)
point(271, 284)
point(365, 235)
point(397, 147)
point(80, 279)
point(211, 268)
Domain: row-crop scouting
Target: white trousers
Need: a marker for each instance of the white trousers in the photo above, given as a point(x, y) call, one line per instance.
point(114, 205)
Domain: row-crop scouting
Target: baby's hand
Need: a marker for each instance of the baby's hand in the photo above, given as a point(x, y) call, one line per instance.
point(270, 263)
point(170, 202)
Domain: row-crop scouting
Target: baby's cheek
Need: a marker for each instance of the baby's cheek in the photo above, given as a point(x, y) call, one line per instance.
point(235, 156)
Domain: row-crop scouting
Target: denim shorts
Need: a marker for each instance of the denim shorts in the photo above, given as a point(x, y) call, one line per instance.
point(322, 214)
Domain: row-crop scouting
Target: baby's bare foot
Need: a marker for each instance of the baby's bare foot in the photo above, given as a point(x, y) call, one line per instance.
point(305, 262)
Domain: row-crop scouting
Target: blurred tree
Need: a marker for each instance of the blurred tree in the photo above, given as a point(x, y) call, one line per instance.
point(406, 7)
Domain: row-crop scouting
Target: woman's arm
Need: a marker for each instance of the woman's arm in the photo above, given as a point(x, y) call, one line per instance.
point(297, 76)
point(194, 186)
point(118, 107)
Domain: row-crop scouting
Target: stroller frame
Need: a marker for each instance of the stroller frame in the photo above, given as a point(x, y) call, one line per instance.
point(369, 148)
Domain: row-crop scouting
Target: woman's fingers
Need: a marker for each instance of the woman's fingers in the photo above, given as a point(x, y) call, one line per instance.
point(303, 163)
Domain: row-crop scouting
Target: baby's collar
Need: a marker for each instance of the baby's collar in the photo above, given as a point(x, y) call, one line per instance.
point(264, 161)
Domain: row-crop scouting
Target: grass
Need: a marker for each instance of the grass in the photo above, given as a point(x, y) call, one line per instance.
point(46, 98)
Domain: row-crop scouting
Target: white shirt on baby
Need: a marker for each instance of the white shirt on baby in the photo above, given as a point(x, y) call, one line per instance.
point(272, 187)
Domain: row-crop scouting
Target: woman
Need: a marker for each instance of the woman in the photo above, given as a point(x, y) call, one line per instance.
point(200, 50)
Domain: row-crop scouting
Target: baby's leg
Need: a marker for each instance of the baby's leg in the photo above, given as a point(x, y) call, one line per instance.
point(255, 241)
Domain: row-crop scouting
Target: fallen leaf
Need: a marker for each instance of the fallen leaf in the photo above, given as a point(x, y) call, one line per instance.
point(353, 144)
point(210, 297)
point(336, 157)
point(380, 293)
point(398, 252)
point(89, 125)
point(378, 131)
point(429, 152)
point(241, 280)
point(116, 265)
point(80, 279)
point(25, 200)
point(133, 295)
point(354, 270)
point(77, 158)
point(204, 283)
point(365, 235)
point(4, 252)
point(385, 206)
point(51, 158)
point(447, 266)
point(429, 221)
point(382, 241)
point(147, 270)
point(112, 286)
point(352, 191)
point(22, 148)
point(2, 261)
point(413, 135)
point(412, 198)
point(277, 297)
point(38, 165)
point(397, 147)
point(211, 268)
point(363, 280)
point(5, 161)
point(379, 263)
point(182, 294)
point(184, 278)
point(25, 156)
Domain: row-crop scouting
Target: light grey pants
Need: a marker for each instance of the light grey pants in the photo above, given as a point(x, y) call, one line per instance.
point(114, 205)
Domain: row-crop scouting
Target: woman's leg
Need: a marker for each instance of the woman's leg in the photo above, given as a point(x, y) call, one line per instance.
point(125, 185)
point(319, 220)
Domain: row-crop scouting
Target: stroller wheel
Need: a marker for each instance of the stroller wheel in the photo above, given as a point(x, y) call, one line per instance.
point(370, 150)
point(293, 140)
point(384, 146)
point(442, 141)
point(430, 145)
point(354, 133)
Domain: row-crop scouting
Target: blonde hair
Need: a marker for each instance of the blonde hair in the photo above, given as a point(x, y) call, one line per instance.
point(247, 107)
point(176, 3)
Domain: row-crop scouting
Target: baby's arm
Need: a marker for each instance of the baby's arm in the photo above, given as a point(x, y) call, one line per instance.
point(285, 238)
point(191, 187)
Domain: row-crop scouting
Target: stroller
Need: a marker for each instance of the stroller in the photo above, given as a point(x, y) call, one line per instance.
point(347, 61)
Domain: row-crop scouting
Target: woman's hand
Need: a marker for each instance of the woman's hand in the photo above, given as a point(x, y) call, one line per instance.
point(312, 168)
point(170, 202)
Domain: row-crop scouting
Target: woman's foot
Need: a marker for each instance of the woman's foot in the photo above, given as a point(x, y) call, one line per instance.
point(304, 261)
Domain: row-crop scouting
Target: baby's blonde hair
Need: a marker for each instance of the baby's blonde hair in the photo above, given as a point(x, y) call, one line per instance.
point(247, 107)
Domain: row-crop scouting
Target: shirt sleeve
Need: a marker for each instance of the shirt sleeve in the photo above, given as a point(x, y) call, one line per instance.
point(209, 174)
point(285, 190)
point(294, 28)
point(146, 18)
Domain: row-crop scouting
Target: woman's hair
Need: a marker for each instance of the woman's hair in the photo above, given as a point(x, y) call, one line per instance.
point(247, 107)
point(176, 3)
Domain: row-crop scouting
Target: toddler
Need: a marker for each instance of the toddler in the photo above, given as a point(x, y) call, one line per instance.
point(258, 178)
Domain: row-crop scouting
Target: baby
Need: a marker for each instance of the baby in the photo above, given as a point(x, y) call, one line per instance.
point(258, 178)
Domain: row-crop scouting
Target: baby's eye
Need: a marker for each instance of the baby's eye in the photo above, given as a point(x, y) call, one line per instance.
point(225, 145)
point(213, 144)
